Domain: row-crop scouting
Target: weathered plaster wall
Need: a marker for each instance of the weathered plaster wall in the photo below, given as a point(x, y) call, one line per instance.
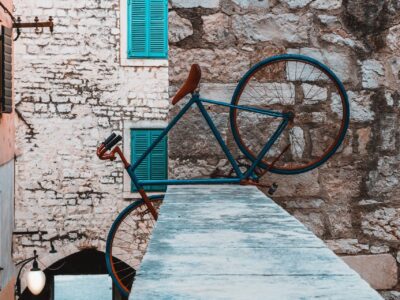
point(352, 201)
point(71, 93)
point(7, 152)
point(6, 223)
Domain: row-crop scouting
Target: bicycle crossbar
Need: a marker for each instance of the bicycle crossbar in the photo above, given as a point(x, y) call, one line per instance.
point(250, 173)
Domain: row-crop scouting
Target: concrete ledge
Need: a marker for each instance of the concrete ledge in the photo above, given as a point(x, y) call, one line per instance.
point(233, 242)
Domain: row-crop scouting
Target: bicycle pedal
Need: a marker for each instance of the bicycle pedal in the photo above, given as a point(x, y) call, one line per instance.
point(272, 189)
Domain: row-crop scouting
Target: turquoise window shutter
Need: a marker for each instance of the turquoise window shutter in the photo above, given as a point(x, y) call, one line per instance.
point(158, 32)
point(148, 28)
point(155, 166)
point(137, 19)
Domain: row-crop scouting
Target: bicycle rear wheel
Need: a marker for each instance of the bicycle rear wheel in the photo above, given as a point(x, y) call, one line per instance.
point(297, 84)
point(127, 242)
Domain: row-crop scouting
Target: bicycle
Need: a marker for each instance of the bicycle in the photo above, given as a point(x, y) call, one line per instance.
point(304, 113)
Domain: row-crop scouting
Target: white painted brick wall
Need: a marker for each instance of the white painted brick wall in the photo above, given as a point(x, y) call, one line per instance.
point(71, 93)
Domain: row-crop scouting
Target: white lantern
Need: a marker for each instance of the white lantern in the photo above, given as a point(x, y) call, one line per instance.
point(36, 280)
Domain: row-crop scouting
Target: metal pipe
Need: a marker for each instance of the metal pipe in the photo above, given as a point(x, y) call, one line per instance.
point(162, 135)
point(190, 181)
point(218, 137)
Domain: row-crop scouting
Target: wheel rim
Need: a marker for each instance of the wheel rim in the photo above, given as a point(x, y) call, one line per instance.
point(127, 242)
point(291, 76)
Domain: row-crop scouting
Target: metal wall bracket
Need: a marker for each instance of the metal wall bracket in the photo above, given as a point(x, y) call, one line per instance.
point(18, 25)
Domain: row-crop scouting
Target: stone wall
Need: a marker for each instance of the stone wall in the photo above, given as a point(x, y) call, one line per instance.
point(71, 93)
point(351, 202)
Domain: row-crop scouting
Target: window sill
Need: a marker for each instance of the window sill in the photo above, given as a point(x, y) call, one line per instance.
point(144, 62)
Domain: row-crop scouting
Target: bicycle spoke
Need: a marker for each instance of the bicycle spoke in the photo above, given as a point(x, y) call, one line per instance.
point(129, 244)
point(306, 90)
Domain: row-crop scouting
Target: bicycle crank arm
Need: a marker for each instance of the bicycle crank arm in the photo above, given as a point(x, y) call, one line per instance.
point(271, 188)
point(262, 173)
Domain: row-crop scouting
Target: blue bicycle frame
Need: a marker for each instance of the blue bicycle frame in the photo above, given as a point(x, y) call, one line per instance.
point(240, 176)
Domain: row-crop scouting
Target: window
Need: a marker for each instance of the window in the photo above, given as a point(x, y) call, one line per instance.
point(147, 28)
point(6, 70)
point(155, 166)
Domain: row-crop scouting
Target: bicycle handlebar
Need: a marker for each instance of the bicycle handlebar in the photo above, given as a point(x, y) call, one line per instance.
point(113, 142)
point(109, 139)
point(107, 145)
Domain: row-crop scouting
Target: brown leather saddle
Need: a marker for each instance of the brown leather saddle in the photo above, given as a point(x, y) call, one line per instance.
point(190, 85)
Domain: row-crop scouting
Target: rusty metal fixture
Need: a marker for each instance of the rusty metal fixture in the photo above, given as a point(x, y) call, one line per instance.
point(18, 25)
point(40, 232)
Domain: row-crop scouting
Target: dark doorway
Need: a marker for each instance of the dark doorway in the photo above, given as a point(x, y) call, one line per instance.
point(85, 262)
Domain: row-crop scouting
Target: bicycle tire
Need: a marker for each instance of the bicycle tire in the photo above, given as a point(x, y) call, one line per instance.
point(122, 271)
point(285, 72)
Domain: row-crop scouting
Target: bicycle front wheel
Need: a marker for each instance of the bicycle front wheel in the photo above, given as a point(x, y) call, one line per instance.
point(127, 242)
point(311, 92)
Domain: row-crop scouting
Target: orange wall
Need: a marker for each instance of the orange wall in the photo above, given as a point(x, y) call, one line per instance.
point(7, 293)
point(7, 129)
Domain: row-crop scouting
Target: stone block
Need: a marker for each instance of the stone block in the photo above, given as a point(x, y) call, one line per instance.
point(382, 224)
point(254, 28)
point(296, 3)
point(218, 65)
point(388, 133)
point(391, 295)
point(372, 74)
point(217, 29)
point(393, 38)
point(218, 91)
point(360, 106)
point(301, 185)
point(338, 39)
point(326, 4)
point(380, 271)
point(313, 221)
point(385, 178)
point(364, 137)
point(346, 246)
point(195, 3)
point(328, 20)
point(339, 220)
point(340, 184)
point(249, 4)
point(339, 61)
point(179, 28)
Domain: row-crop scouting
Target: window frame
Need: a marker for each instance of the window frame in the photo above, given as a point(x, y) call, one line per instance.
point(150, 168)
point(148, 19)
point(142, 124)
point(123, 51)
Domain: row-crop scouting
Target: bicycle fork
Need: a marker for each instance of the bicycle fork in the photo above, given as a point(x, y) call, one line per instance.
point(107, 145)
